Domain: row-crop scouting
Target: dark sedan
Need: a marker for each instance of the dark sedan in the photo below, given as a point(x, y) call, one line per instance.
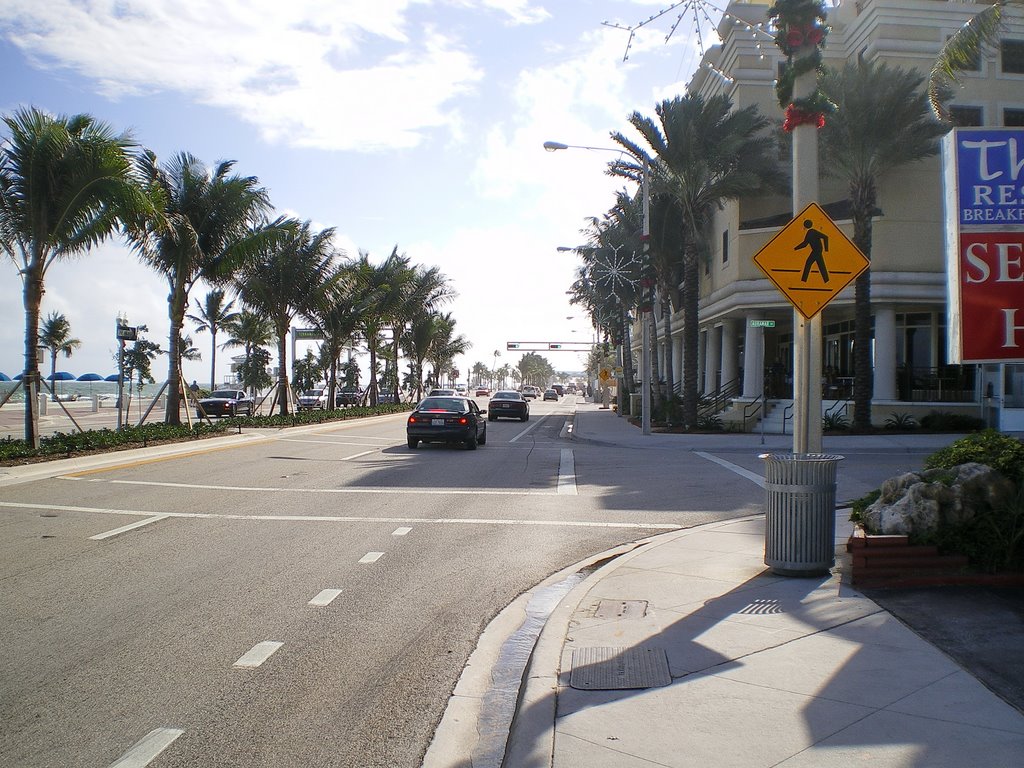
point(225, 402)
point(509, 404)
point(447, 420)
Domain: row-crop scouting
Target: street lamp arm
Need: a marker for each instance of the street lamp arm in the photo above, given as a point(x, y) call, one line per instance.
point(554, 146)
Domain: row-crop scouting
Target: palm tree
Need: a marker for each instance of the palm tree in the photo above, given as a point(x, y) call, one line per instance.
point(294, 275)
point(883, 122)
point(426, 290)
point(961, 51)
point(445, 346)
point(252, 332)
point(705, 153)
point(206, 227)
point(65, 185)
point(55, 335)
point(337, 320)
point(212, 314)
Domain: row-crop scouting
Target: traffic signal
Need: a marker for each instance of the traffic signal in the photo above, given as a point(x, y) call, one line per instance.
point(511, 345)
point(554, 346)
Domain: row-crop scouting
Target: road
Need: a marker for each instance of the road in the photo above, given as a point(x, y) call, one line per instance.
point(309, 597)
point(306, 599)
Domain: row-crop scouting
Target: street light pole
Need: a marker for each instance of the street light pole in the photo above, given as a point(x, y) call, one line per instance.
point(645, 236)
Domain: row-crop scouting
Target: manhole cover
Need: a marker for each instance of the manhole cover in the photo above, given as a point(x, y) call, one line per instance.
point(621, 609)
point(616, 669)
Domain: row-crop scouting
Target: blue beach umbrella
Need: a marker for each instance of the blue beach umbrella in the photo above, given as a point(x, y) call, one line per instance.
point(61, 376)
point(90, 377)
point(111, 377)
point(4, 377)
point(18, 376)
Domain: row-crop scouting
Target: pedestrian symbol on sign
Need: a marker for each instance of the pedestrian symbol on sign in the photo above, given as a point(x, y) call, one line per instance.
point(785, 260)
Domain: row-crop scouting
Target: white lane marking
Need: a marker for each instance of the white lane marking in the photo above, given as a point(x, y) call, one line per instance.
point(347, 519)
point(389, 490)
point(325, 597)
point(258, 654)
point(357, 455)
point(752, 476)
point(529, 429)
point(146, 749)
point(400, 531)
point(129, 527)
point(338, 442)
point(371, 557)
point(567, 473)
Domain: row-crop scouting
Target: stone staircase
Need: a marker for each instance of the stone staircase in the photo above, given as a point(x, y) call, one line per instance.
point(779, 418)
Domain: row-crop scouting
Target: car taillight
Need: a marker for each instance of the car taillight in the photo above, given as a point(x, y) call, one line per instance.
point(463, 420)
point(412, 419)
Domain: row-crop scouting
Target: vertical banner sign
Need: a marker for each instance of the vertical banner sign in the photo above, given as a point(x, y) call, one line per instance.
point(984, 192)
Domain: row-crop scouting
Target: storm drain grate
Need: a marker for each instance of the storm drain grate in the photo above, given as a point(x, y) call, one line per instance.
point(621, 609)
point(617, 669)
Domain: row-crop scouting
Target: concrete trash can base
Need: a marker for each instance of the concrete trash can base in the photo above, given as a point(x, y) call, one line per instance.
point(800, 512)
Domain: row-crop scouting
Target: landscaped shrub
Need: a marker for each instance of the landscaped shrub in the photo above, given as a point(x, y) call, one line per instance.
point(834, 422)
point(944, 421)
point(900, 421)
point(709, 424)
point(991, 448)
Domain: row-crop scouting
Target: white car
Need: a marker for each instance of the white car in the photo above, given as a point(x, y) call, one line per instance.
point(531, 391)
point(312, 399)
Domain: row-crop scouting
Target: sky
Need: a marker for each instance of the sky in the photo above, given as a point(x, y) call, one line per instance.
point(415, 124)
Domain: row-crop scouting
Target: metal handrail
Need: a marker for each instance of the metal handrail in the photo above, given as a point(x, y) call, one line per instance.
point(749, 409)
point(787, 414)
point(839, 407)
point(717, 401)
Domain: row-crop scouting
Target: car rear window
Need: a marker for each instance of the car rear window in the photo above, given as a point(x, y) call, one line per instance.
point(224, 394)
point(506, 396)
point(442, 404)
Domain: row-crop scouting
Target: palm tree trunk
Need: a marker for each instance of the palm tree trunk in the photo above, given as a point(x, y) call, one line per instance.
point(655, 382)
point(213, 356)
point(691, 336)
point(863, 382)
point(670, 381)
point(282, 367)
point(626, 382)
point(371, 342)
point(177, 300)
point(32, 299)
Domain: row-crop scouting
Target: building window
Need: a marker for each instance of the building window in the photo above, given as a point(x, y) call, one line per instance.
point(1011, 54)
point(966, 117)
point(1013, 118)
point(725, 247)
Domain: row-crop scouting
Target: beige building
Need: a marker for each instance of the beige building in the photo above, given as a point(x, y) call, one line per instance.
point(908, 270)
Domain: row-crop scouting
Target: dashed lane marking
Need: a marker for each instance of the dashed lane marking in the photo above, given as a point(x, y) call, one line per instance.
point(147, 748)
point(352, 519)
point(325, 597)
point(400, 531)
point(258, 654)
point(371, 557)
point(529, 429)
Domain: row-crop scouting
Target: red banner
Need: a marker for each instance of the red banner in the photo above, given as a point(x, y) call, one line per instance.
point(991, 284)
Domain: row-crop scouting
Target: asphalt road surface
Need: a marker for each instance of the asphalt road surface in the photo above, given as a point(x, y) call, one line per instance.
point(306, 599)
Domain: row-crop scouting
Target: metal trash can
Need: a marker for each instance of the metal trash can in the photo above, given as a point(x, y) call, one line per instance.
point(800, 512)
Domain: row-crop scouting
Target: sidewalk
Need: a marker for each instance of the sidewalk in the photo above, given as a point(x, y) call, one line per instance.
point(687, 651)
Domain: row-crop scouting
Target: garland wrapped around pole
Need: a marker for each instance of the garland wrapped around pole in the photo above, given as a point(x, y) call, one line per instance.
point(801, 29)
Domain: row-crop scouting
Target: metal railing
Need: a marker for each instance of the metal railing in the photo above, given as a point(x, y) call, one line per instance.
point(942, 384)
point(715, 402)
point(787, 414)
point(757, 405)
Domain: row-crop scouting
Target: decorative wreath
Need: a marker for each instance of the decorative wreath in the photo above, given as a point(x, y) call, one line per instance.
point(801, 25)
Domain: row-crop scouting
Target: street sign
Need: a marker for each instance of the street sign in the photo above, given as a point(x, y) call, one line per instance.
point(604, 375)
point(761, 323)
point(811, 260)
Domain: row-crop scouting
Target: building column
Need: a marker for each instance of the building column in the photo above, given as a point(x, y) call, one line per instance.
point(712, 359)
point(730, 351)
point(702, 358)
point(753, 360)
point(885, 353)
point(677, 359)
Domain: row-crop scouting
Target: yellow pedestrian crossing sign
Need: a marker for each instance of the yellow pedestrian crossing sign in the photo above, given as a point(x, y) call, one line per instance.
point(811, 260)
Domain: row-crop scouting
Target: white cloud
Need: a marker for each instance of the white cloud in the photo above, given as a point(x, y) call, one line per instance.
point(358, 74)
